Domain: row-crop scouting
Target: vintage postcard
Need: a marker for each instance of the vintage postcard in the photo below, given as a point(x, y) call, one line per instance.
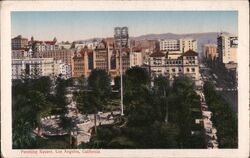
point(124, 79)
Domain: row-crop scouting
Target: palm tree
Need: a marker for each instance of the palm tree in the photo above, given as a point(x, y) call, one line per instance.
point(40, 107)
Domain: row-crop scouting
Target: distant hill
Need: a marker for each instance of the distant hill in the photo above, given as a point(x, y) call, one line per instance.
point(202, 38)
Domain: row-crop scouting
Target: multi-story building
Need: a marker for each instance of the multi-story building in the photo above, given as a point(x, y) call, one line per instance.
point(210, 51)
point(181, 45)
point(102, 56)
point(227, 54)
point(136, 57)
point(125, 60)
point(39, 46)
point(19, 53)
point(173, 54)
point(64, 45)
point(65, 55)
point(168, 45)
point(157, 64)
point(83, 62)
point(34, 67)
point(227, 48)
point(190, 64)
point(65, 71)
point(188, 44)
point(185, 64)
point(19, 42)
point(89, 44)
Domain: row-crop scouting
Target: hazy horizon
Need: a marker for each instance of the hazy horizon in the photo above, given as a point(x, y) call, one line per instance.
point(82, 25)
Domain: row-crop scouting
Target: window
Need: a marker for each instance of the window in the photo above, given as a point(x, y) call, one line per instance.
point(173, 70)
point(193, 69)
point(187, 69)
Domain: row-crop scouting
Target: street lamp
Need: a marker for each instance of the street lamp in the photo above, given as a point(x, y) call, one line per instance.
point(121, 39)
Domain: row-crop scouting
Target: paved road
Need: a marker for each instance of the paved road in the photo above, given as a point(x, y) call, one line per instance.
point(231, 96)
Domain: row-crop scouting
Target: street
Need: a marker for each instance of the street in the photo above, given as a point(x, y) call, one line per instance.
point(224, 87)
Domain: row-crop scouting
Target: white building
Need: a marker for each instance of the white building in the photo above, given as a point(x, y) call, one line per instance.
point(135, 58)
point(182, 45)
point(34, 67)
point(173, 54)
point(157, 64)
point(188, 44)
point(64, 45)
point(185, 64)
point(40, 46)
point(65, 71)
point(169, 45)
point(227, 48)
point(89, 44)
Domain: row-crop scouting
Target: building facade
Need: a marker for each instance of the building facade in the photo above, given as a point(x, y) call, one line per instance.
point(186, 64)
point(19, 42)
point(65, 55)
point(136, 58)
point(181, 45)
point(210, 51)
point(65, 71)
point(19, 53)
point(227, 48)
point(83, 62)
point(34, 67)
point(168, 45)
point(188, 44)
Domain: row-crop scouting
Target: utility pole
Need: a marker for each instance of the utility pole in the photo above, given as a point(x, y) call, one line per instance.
point(121, 38)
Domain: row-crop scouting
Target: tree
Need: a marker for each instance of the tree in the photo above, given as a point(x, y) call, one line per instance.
point(135, 79)
point(97, 95)
point(223, 118)
point(162, 88)
point(82, 83)
point(99, 83)
point(40, 107)
point(68, 125)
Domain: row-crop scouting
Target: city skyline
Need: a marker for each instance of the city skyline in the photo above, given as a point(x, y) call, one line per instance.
point(80, 25)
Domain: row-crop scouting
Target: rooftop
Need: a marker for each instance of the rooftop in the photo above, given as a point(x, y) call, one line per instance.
point(190, 53)
point(157, 54)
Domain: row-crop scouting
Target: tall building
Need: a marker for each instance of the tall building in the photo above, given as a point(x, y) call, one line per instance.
point(210, 52)
point(19, 42)
point(168, 45)
point(227, 48)
point(136, 57)
point(65, 55)
point(102, 56)
point(181, 45)
point(157, 64)
point(188, 44)
point(83, 63)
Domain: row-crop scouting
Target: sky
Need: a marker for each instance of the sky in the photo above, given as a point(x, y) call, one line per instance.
point(79, 25)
